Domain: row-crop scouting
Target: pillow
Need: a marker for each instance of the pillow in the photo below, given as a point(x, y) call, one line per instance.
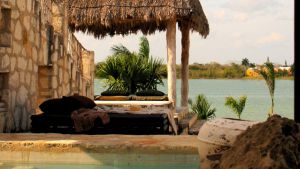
point(115, 93)
point(53, 106)
point(150, 92)
point(84, 101)
point(71, 104)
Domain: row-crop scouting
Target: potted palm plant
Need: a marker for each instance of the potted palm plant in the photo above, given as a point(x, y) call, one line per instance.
point(130, 72)
point(268, 74)
point(219, 134)
point(236, 105)
point(202, 108)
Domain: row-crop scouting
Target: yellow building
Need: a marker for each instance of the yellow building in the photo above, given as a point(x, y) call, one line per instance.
point(252, 72)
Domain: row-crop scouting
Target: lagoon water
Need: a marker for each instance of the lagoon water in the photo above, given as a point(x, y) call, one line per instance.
point(258, 97)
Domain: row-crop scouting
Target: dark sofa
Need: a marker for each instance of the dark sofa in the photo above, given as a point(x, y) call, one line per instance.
point(57, 119)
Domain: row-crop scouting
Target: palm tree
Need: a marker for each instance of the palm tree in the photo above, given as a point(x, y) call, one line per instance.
point(202, 108)
point(292, 69)
point(268, 74)
point(131, 71)
point(245, 62)
point(236, 106)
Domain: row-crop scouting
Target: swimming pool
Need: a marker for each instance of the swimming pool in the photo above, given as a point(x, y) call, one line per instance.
point(109, 161)
point(90, 166)
point(59, 151)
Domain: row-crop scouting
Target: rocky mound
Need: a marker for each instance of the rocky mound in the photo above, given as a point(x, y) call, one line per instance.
point(271, 144)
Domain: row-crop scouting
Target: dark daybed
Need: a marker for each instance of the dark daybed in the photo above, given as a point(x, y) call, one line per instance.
point(57, 119)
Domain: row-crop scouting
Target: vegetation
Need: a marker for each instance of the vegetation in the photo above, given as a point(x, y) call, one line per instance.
point(236, 105)
point(268, 74)
point(215, 70)
point(131, 71)
point(202, 108)
point(293, 69)
point(245, 62)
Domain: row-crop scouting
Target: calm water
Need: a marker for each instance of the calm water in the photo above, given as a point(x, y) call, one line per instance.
point(258, 97)
point(91, 166)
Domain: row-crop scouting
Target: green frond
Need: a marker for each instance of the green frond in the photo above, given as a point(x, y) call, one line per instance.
point(144, 50)
point(268, 74)
point(202, 108)
point(131, 70)
point(236, 106)
point(120, 49)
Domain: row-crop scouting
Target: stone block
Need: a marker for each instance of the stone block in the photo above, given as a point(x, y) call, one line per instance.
point(44, 82)
point(18, 34)
point(5, 39)
point(17, 47)
point(14, 80)
point(2, 121)
point(47, 94)
point(26, 22)
point(4, 62)
point(13, 99)
point(24, 119)
point(17, 118)
point(28, 79)
point(33, 88)
point(22, 63)
point(22, 95)
point(15, 14)
point(21, 5)
point(22, 77)
point(29, 5)
point(12, 63)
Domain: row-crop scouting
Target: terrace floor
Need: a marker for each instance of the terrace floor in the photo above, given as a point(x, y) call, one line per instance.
point(152, 143)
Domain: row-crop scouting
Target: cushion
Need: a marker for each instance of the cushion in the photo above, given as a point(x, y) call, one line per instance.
point(84, 101)
point(150, 92)
point(115, 93)
point(53, 106)
point(71, 104)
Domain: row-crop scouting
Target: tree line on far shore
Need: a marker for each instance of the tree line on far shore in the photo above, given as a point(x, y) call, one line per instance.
point(216, 70)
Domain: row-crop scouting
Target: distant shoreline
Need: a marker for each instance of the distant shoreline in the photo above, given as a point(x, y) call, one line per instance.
point(244, 78)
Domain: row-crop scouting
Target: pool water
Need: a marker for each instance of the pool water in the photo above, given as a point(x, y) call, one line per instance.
point(45, 160)
point(93, 166)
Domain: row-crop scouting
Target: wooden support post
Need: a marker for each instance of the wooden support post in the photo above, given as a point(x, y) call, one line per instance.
point(185, 43)
point(171, 49)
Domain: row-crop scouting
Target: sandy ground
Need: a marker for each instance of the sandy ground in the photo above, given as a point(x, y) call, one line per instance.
point(271, 144)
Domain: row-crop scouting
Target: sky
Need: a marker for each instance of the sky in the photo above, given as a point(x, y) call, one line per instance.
point(252, 29)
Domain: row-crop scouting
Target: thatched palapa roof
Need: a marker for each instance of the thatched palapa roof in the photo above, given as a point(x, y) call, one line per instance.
point(110, 17)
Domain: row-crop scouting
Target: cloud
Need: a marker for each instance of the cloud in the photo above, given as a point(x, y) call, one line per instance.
point(241, 17)
point(220, 14)
point(226, 15)
point(251, 5)
point(273, 37)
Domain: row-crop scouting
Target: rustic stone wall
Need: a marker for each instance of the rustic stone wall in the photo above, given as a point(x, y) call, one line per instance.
point(88, 73)
point(19, 60)
point(39, 59)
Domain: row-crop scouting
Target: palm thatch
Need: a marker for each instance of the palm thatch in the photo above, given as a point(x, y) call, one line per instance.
point(110, 17)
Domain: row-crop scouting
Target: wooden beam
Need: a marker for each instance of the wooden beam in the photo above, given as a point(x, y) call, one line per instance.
point(185, 43)
point(171, 49)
